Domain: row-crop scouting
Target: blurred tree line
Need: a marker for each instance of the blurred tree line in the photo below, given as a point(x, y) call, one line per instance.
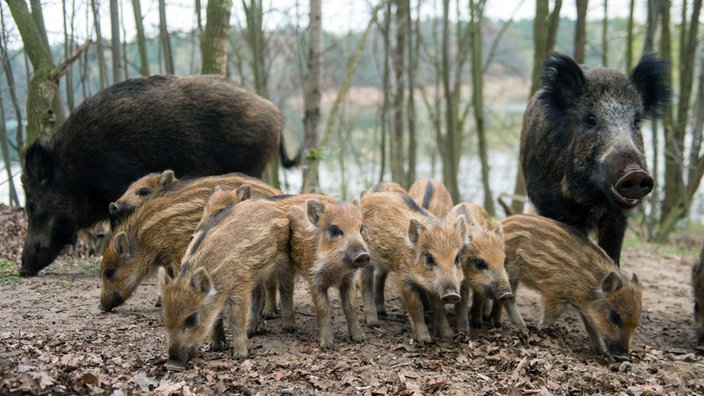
point(413, 93)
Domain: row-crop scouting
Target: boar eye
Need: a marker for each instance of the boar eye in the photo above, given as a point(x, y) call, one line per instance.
point(109, 273)
point(458, 260)
point(334, 231)
point(143, 192)
point(615, 318)
point(190, 321)
point(430, 261)
point(636, 123)
point(591, 121)
point(480, 265)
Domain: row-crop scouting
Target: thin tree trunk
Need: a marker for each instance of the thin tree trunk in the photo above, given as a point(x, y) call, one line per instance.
point(411, 104)
point(312, 97)
point(165, 39)
point(629, 35)
point(449, 168)
point(397, 157)
point(5, 148)
point(580, 30)
point(68, 49)
point(604, 36)
point(102, 67)
point(9, 76)
point(118, 73)
point(673, 174)
point(141, 38)
point(215, 38)
point(386, 88)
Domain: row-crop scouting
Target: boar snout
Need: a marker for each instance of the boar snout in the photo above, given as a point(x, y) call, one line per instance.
point(179, 358)
point(617, 350)
point(450, 296)
point(361, 259)
point(505, 295)
point(633, 185)
point(111, 301)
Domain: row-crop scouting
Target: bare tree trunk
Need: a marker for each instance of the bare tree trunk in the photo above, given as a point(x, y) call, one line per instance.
point(449, 165)
point(118, 73)
point(215, 38)
point(386, 88)
point(165, 40)
point(9, 76)
point(604, 36)
point(397, 157)
point(5, 148)
point(68, 49)
point(311, 97)
point(411, 104)
point(102, 67)
point(580, 30)
point(629, 35)
point(141, 38)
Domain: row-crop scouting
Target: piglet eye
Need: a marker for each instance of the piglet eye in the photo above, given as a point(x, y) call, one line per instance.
point(143, 192)
point(615, 318)
point(458, 260)
point(109, 273)
point(430, 261)
point(190, 321)
point(334, 231)
point(480, 265)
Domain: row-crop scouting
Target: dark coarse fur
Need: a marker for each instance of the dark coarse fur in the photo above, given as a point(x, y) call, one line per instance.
point(698, 289)
point(581, 136)
point(199, 125)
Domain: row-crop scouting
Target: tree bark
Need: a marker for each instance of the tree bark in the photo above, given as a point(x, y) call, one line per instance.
point(449, 168)
point(629, 35)
point(165, 40)
point(386, 88)
point(411, 104)
point(215, 38)
point(604, 36)
point(5, 149)
point(580, 30)
point(141, 38)
point(118, 73)
point(9, 76)
point(312, 97)
point(102, 67)
point(398, 61)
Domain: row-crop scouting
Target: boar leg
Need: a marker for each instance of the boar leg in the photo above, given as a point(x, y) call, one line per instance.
point(414, 309)
point(367, 281)
point(324, 312)
point(440, 323)
point(217, 336)
point(611, 229)
point(597, 344)
point(551, 312)
point(286, 286)
point(513, 314)
point(476, 315)
point(270, 301)
point(347, 299)
point(239, 312)
point(255, 310)
point(461, 309)
point(379, 284)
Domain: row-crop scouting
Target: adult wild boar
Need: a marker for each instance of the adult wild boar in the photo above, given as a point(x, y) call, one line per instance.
point(582, 150)
point(197, 126)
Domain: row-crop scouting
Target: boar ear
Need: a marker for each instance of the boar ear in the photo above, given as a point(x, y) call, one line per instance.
point(166, 275)
point(113, 209)
point(461, 226)
point(244, 192)
point(315, 208)
point(414, 230)
point(634, 279)
point(562, 81)
point(167, 177)
point(38, 163)
point(611, 283)
point(499, 230)
point(201, 281)
point(651, 77)
point(121, 245)
point(355, 203)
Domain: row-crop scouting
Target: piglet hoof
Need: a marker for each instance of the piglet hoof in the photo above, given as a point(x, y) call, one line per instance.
point(372, 323)
point(423, 338)
point(289, 330)
point(216, 346)
point(239, 353)
point(327, 345)
point(175, 366)
point(358, 338)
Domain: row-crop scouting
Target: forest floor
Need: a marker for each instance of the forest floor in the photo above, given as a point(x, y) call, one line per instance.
point(55, 340)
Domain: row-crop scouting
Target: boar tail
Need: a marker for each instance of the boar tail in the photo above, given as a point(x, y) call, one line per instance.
point(283, 155)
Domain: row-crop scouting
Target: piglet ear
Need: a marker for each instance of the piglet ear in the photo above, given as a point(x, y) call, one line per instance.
point(414, 230)
point(652, 79)
point(121, 245)
point(499, 230)
point(244, 192)
point(314, 208)
point(200, 280)
point(461, 226)
point(167, 177)
point(39, 165)
point(562, 83)
point(634, 279)
point(611, 283)
point(166, 276)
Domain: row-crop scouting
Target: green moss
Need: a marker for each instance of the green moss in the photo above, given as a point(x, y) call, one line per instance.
point(8, 270)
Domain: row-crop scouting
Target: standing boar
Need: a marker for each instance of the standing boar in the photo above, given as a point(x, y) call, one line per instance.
point(567, 268)
point(137, 192)
point(197, 126)
point(483, 264)
point(327, 248)
point(698, 285)
point(581, 146)
point(424, 254)
point(432, 196)
point(158, 232)
point(224, 265)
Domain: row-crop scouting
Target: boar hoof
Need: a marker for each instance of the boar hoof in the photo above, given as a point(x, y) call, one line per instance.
point(175, 365)
point(217, 346)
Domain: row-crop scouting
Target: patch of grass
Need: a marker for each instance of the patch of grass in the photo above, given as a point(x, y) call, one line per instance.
point(8, 271)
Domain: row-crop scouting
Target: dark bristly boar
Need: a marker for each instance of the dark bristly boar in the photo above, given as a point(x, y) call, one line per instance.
point(157, 233)
point(483, 264)
point(423, 252)
point(698, 285)
point(569, 269)
point(581, 146)
point(327, 249)
point(138, 191)
point(196, 126)
point(224, 266)
point(432, 196)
